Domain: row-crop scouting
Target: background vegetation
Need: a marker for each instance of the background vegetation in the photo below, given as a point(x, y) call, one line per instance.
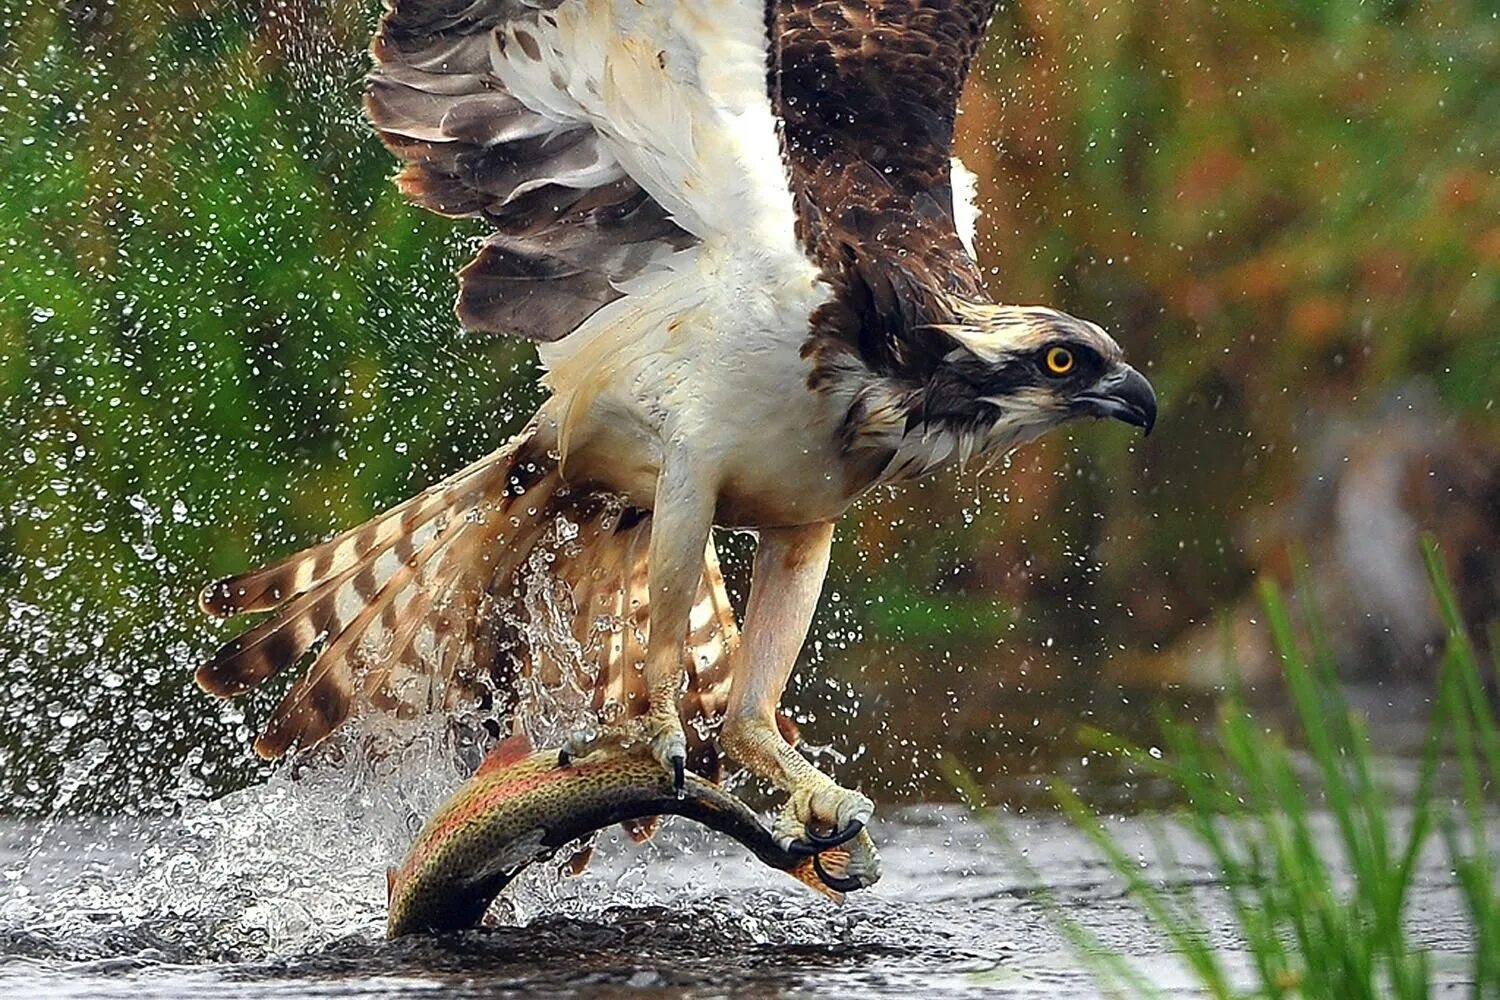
point(223, 335)
point(1322, 870)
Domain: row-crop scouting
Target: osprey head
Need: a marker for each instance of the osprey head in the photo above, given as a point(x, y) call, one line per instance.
point(1035, 364)
point(1013, 372)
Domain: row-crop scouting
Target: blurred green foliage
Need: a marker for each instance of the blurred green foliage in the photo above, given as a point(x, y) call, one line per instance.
point(1319, 852)
point(223, 335)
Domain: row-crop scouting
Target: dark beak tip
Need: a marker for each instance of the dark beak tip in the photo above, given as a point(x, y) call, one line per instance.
point(1126, 397)
point(1140, 399)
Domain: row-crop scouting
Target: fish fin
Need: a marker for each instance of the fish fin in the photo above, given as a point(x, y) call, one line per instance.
point(515, 747)
point(579, 862)
point(642, 828)
point(788, 728)
point(835, 861)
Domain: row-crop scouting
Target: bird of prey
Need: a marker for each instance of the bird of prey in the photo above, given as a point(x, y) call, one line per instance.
point(730, 228)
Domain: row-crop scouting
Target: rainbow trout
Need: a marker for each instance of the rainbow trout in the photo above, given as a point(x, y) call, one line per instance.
point(521, 807)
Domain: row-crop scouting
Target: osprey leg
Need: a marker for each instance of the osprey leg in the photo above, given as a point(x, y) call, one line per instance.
point(680, 527)
point(681, 523)
point(789, 568)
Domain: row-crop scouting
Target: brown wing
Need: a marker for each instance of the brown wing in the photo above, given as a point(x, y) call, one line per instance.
point(868, 93)
point(570, 224)
point(875, 84)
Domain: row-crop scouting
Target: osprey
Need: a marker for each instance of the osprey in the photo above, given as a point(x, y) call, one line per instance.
point(730, 228)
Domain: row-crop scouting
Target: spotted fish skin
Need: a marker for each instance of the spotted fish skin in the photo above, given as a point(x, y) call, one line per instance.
point(522, 806)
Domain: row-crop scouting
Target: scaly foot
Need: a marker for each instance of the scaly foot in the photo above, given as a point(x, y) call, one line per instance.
point(819, 813)
point(660, 730)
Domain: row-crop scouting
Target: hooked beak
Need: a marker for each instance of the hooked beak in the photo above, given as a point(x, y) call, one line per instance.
point(1123, 394)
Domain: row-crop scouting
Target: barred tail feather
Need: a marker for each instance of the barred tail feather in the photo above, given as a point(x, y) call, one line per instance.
point(244, 663)
point(358, 591)
point(321, 698)
point(605, 574)
point(271, 586)
point(435, 601)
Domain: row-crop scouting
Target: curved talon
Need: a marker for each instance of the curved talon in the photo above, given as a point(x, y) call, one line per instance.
point(679, 772)
point(580, 744)
point(815, 843)
point(838, 883)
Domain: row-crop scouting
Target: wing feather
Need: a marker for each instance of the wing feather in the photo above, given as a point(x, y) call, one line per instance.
point(542, 177)
point(868, 94)
point(598, 137)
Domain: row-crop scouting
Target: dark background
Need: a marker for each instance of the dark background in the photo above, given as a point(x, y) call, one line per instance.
point(224, 336)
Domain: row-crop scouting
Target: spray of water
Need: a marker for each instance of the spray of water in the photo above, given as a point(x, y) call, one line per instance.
point(296, 864)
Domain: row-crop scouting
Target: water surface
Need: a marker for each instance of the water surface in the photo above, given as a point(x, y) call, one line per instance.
point(279, 891)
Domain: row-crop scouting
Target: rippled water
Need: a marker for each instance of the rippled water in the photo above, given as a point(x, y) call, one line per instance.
point(279, 891)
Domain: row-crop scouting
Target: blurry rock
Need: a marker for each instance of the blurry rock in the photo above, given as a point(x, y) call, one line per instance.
point(1373, 484)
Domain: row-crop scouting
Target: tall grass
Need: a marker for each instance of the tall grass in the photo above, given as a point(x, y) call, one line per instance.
point(1319, 915)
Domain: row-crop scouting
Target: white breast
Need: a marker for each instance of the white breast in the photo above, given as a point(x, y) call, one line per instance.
point(708, 334)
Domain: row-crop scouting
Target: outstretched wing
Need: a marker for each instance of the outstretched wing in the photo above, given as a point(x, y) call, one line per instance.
point(868, 94)
point(872, 86)
point(598, 137)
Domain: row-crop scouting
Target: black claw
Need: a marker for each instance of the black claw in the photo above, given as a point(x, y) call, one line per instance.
point(679, 772)
point(813, 843)
point(564, 758)
point(838, 883)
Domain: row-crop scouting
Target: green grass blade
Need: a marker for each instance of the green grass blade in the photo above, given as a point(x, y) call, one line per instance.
point(1111, 970)
point(1470, 673)
point(1321, 916)
point(1191, 942)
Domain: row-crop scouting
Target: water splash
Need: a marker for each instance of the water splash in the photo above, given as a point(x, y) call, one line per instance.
point(293, 865)
point(296, 866)
point(281, 867)
point(554, 699)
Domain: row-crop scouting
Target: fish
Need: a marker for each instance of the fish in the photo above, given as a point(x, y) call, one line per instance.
point(523, 806)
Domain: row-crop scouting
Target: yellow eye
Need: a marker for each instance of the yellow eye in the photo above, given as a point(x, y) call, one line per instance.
point(1059, 360)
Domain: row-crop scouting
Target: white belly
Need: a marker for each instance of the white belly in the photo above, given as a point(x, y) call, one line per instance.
point(705, 367)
